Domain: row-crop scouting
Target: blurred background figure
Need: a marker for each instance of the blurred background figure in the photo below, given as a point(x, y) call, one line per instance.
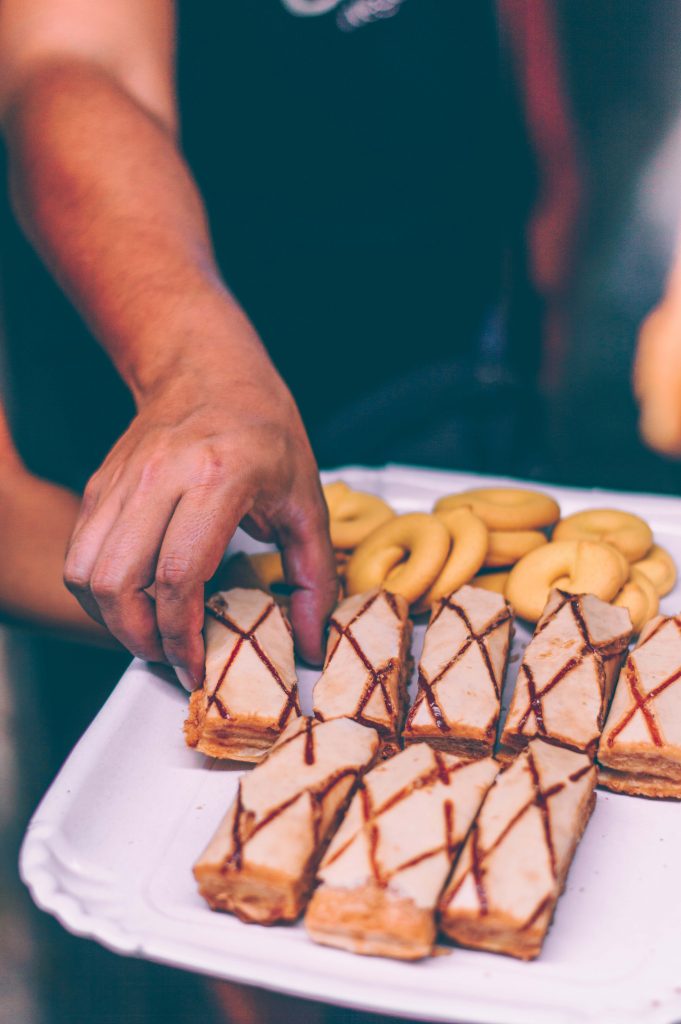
point(451, 269)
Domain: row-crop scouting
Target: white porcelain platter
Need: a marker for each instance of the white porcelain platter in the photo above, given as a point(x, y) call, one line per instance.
point(110, 848)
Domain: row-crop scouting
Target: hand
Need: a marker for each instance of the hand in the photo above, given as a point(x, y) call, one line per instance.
point(209, 449)
point(657, 379)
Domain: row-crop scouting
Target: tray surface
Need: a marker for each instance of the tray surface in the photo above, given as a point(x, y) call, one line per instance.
point(110, 848)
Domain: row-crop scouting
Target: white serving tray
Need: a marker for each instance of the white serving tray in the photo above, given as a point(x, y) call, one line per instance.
point(110, 848)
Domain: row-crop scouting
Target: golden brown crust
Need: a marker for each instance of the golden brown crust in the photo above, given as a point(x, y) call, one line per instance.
point(260, 863)
point(370, 921)
point(461, 673)
point(640, 749)
point(513, 867)
point(250, 691)
point(368, 664)
point(567, 674)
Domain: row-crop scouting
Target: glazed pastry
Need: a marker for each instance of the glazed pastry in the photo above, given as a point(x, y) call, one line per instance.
point(513, 867)
point(640, 749)
point(367, 664)
point(261, 862)
point(567, 674)
point(250, 691)
point(381, 877)
point(461, 673)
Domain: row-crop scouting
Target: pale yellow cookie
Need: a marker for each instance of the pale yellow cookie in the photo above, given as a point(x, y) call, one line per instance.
point(639, 597)
point(353, 515)
point(583, 567)
point(404, 556)
point(495, 581)
point(467, 554)
point(506, 508)
point(625, 531)
point(506, 547)
point(659, 567)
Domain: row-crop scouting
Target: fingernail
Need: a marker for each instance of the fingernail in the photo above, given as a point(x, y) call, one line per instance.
point(185, 678)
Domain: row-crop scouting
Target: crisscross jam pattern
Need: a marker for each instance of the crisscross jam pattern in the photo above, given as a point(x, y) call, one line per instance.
point(217, 609)
point(376, 676)
point(599, 652)
point(245, 828)
point(479, 855)
point(427, 687)
point(371, 815)
point(642, 701)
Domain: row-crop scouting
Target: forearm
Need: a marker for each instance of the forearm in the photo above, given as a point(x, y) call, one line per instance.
point(103, 193)
point(36, 520)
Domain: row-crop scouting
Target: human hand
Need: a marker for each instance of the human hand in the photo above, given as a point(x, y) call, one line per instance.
point(211, 447)
point(657, 379)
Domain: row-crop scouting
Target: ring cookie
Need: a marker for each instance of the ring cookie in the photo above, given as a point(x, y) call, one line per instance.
point(581, 567)
point(467, 554)
point(405, 556)
point(353, 515)
point(506, 508)
point(659, 567)
point(628, 533)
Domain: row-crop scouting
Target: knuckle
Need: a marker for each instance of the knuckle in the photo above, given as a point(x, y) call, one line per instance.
point(106, 583)
point(210, 467)
point(173, 571)
point(76, 579)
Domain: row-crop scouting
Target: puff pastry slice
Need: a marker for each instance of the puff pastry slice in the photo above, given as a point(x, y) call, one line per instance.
point(506, 883)
point(461, 673)
point(380, 879)
point(367, 664)
point(567, 675)
point(261, 862)
point(250, 691)
point(640, 749)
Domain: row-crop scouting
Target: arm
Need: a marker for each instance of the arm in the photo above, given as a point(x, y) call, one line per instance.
point(36, 521)
point(101, 189)
point(657, 370)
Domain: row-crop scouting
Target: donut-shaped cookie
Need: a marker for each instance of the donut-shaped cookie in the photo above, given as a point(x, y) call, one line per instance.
point(466, 556)
point(639, 597)
point(628, 533)
point(495, 581)
point(506, 547)
point(405, 555)
point(353, 515)
point(584, 567)
point(659, 567)
point(506, 508)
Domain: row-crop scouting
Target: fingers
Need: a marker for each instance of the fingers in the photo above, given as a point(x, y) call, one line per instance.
point(122, 564)
point(195, 540)
point(92, 527)
point(310, 568)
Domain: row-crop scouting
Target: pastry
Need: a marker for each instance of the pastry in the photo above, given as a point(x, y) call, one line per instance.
point(469, 540)
point(353, 515)
point(405, 555)
point(628, 533)
point(506, 508)
point(659, 567)
point(461, 673)
point(640, 749)
point(578, 566)
point(367, 664)
point(640, 598)
point(250, 691)
point(506, 547)
point(381, 877)
point(495, 581)
point(260, 864)
point(566, 677)
point(513, 867)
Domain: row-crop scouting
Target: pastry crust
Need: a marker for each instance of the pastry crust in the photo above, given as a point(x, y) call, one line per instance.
point(260, 863)
point(461, 673)
point(367, 664)
point(381, 877)
point(640, 749)
point(506, 883)
point(567, 674)
point(250, 691)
